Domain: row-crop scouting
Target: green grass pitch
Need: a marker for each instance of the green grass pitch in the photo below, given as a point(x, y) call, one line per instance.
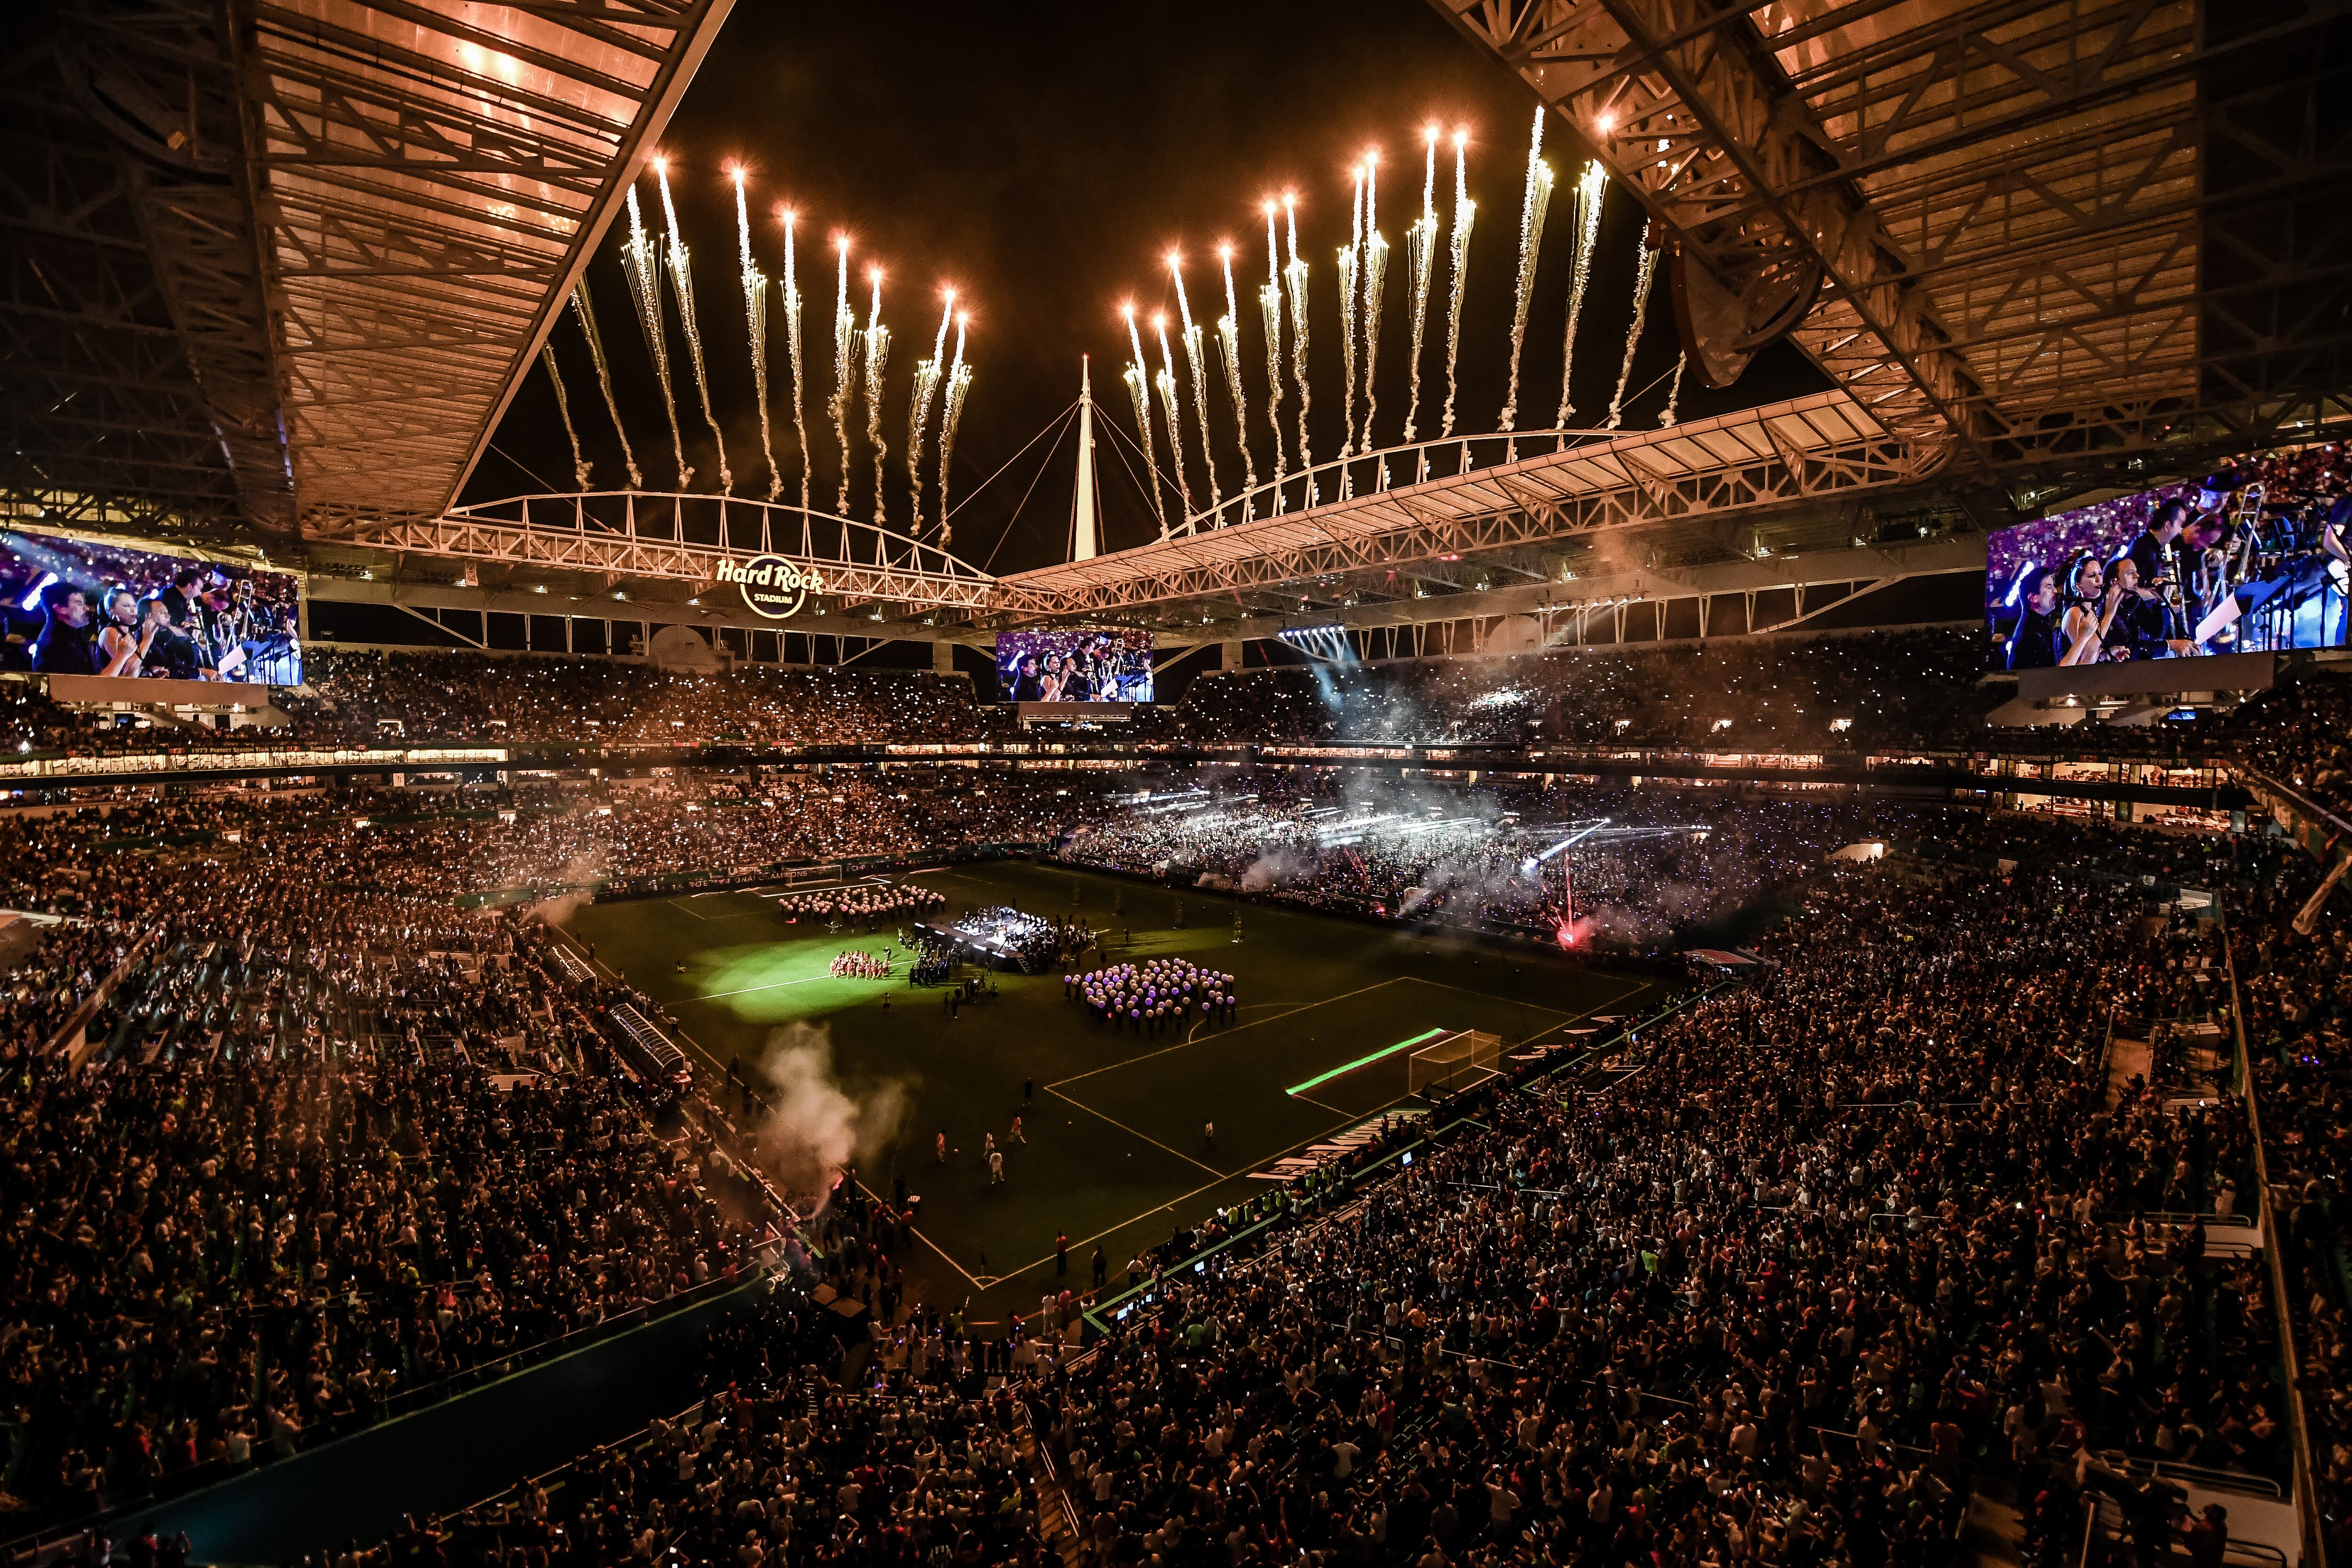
point(1115, 1151)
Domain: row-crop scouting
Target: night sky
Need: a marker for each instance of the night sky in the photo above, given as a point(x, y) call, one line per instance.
point(1042, 165)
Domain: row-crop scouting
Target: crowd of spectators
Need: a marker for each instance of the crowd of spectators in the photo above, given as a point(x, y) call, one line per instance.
point(2297, 1000)
point(1820, 1254)
point(319, 1151)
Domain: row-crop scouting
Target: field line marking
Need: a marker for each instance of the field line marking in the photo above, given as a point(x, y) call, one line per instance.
point(1131, 1133)
point(774, 985)
point(1235, 1029)
point(926, 1241)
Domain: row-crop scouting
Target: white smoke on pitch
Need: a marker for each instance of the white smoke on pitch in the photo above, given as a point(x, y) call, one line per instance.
point(813, 1127)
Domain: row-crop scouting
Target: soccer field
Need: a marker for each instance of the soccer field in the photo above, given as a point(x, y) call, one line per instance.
point(1115, 1151)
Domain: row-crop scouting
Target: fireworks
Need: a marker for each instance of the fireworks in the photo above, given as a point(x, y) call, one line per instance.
point(844, 371)
point(1465, 216)
point(1590, 188)
point(1293, 282)
point(1229, 341)
point(793, 349)
point(1269, 309)
point(1531, 225)
point(878, 361)
point(959, 388)
point(1675, 391)
point(605, 377)
point(1349, 259)
point(563, 406)
point(1376, 272)
point(681, 282)
point(1173, 416)
point(641, 263)
point(1420, 255)
point(1192, 357)
point(755, 326)
point(918, 408)
point(1648, 269)
point(1139, 388)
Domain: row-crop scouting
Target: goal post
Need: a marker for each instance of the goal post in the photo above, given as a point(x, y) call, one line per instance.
point(1461, 1059)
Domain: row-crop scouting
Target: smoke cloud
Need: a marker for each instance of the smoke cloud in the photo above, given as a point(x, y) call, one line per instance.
point(814, 1126)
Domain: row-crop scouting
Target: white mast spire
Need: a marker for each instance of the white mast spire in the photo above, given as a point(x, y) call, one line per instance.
point(1082, 527)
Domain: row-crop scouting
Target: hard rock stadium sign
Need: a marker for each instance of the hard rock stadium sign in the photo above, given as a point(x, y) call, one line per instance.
point(772, 587)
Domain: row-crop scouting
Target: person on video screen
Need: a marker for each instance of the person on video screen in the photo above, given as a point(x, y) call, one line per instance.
point(1027, 685)
point(68, 645)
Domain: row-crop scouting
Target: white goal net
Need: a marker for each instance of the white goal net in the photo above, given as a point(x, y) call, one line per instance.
point(1460, 1060)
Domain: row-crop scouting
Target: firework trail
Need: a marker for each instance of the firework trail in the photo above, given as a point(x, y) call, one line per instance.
point(1376, 273)
point(1172, 416)
point(1465, 217)
point(681, 282)
point(928, 376)
point(844, 370)
point(1138, 387)
point(1531, 227)
point(1646, 270)
point(641, 261)
point(878, 361)
point(563, 406)
point(1590, 187)
point(1294, 283)
point(959, 388)
point(605, 377)
point(1192, 358)
point(1229, 341)
point(1350, 258)
point(755, 326)
point(792, 348)
point(1421, 255)
point(1675, 391)
point(1269, 309)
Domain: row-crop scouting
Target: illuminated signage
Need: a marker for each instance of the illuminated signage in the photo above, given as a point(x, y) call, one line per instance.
point(772, 587)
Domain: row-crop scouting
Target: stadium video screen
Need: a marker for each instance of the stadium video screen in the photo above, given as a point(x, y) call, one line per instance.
point(2248, 560)
point(1075, 665)
point(78, 606)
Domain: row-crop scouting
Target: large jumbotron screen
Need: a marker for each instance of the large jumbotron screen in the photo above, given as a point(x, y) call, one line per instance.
point(82, 606)
point(2248, 559)
point(1074, 664)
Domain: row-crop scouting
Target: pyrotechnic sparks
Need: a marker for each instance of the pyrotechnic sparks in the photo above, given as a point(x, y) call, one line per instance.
point(1646, 270)
point(877, 362)
point(1138, 387)
point(1229, 341)
point(1675, 391)
point(605, 377)
point(1269, 309)
point(928, 375)
point(1590, 188)
point(844, 371)
point(1421, 255)
point(1465, 216)
point(1192, 357)
point(1376, 272)
point(1173, 416)
point(1531, 225)
point(755, 326)
point(681, 282)
point(641, 265)
point(959, 388)
point(563, 406)
point(1350, 259)
point(792, 348)
point(1293, 282)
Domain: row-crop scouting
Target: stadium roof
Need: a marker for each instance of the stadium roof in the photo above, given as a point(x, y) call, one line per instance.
point(288, 271)
point(2039, 232)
